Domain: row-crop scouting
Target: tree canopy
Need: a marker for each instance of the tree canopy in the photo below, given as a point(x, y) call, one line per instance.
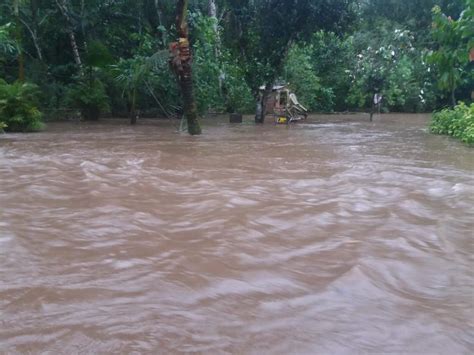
point(333, 52)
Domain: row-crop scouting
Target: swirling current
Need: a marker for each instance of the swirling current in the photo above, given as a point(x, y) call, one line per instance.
point(336, 236)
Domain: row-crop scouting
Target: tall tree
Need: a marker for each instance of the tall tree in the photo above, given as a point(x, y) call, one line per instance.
point(212, 13)
point(31, 24)
point(454, 39)
point(181, 62)
point(415, 14)
point(65, 10)
point(19, 40)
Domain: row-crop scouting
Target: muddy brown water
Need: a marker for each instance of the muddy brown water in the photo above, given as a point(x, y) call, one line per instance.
point(331, 237)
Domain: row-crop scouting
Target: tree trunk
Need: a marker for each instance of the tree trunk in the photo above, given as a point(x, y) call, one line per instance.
point(34, 38)
point(159, 15)
point(75, 50)
point(453, 97)
point(18, 39)
point(21, 56)
point(212, 12)
point(181, 61)
point(133, 116)
point(158, 12)
point(260, 116)
point(83, 30)
point(33, 29)
point(63, 6)
point(212, 8)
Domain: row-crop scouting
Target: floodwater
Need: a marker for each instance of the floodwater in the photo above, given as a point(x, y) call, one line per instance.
point(337, 236)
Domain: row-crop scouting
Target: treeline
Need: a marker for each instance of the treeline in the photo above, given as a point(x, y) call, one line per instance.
point(111, 57)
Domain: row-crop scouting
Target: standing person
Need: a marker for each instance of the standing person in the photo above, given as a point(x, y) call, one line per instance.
point(377, 103)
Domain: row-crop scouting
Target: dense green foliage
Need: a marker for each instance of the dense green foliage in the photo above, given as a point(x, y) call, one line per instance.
point(7, 45)
point(89, 97)
point(388, 62)
point(457, 122)
point(303, 79)
point(112, 56)
point(19, 107)
point(454, 39)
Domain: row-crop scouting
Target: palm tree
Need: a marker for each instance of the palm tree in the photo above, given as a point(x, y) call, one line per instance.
point(130, 74)
point(182, 66)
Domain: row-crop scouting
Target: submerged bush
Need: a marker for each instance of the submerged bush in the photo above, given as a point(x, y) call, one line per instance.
point(19, 107)
point(457, 122)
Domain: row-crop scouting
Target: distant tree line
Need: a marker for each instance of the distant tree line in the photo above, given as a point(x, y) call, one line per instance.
point(96, 56)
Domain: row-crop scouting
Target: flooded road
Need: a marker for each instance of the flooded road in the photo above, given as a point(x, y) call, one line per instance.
point(332, 237)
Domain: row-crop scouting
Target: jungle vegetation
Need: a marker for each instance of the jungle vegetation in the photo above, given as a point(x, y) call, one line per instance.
point(62, 58)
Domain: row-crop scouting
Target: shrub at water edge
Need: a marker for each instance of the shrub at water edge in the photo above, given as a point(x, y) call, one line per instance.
point(19, 107)
point(457, 122)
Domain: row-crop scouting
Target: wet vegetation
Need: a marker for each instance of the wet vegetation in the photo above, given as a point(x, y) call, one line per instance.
point(97, 58)
point(457, 122)
point(19, 107)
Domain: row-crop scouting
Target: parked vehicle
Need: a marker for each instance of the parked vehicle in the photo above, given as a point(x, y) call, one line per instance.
point(284, 106)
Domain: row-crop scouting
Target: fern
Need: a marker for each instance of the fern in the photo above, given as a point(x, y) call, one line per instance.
point(19, 107)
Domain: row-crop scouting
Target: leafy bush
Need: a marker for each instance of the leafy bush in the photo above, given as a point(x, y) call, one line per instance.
point(458, 122)
point(19, 107)
point(89, 97)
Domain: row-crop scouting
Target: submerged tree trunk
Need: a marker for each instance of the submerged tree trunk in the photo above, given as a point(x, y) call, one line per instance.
point(181, 61)
point(261, 113)
point(132, 114)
